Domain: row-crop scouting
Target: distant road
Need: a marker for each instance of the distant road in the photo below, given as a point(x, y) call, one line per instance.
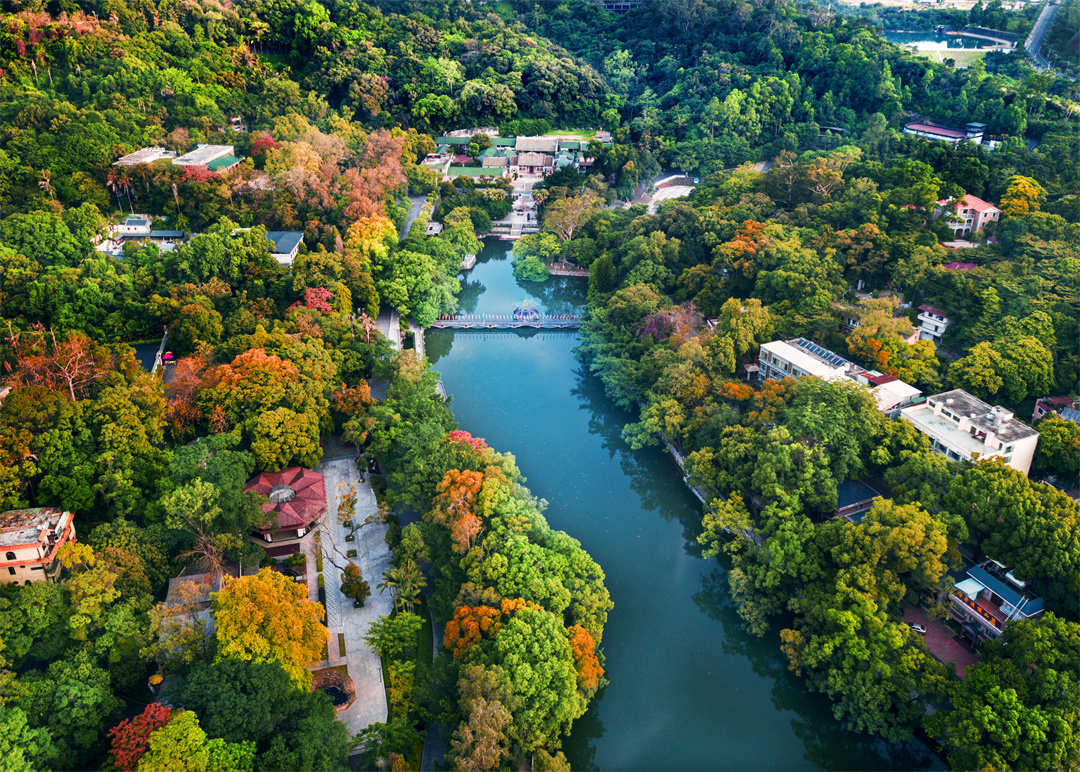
point(414, 212)
point(1034, 42)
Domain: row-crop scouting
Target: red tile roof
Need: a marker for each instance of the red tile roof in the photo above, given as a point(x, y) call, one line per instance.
point(307, 504)
point(971, 202)
point(977, 204)
point(879, 380)
point(940, 131)
point(932, 310)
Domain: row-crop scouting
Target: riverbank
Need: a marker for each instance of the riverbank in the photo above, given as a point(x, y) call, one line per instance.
point(709, 688)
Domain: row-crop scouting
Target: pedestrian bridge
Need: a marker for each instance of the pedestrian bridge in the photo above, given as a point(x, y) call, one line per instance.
point(507, 322)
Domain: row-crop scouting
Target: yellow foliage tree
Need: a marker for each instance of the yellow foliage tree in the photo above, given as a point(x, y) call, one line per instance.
point(1022, 196)
point(268, 618)
point(371, 237)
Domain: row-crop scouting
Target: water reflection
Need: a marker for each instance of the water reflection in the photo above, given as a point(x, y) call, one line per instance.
point(690, 689)
point(607, 421)
point(813, 724)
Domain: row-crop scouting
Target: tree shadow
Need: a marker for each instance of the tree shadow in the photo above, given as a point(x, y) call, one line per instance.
point(580, 746)
point(828, 744)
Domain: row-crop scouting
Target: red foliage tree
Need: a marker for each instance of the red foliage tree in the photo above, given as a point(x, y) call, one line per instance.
point(459, 437)
point(130, 738)
point(263, 145)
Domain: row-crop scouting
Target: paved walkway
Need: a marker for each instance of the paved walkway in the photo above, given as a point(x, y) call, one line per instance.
point(941, 640)
point(414, 212)
point(389, 326)
point(373, 557)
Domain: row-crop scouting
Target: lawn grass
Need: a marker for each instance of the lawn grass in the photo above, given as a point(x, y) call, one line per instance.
point(962, 57)
point(341, 644)
point(587, 134)
point(425, 642)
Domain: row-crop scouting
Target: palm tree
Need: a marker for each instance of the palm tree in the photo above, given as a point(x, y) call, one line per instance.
point(406, 583)
point(46, 182)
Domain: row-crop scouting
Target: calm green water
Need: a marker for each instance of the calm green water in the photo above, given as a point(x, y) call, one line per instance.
point(689, 690)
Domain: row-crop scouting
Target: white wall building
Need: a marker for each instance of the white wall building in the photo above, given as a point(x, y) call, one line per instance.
point(932, 323)
point(972, 215)
point(146, 155)
point(800, 357)
point(285, 245)
point(962, 427)
point(205, 155)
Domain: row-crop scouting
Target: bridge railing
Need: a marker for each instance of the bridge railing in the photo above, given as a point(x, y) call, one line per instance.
point(506, 317)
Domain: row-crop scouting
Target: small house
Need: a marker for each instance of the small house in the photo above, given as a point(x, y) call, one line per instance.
point(987, 598)
point(285, 245)
point(30, 540)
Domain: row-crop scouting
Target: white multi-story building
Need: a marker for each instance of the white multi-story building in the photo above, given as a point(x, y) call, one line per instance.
point(962, 427)
point(932, 323)
point(800, 357)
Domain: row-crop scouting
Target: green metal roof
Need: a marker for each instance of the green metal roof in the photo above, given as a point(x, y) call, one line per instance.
point(453, 140)
point(473, 171)
point(225, 162)
point(504, 141)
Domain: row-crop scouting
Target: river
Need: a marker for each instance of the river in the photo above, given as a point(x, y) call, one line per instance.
point(689, 689)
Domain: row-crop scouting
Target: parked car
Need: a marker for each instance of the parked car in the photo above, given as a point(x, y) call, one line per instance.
point(918, 628)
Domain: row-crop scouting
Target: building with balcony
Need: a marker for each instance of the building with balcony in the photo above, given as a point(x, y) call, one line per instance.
point(972, 215)
point(29, 542)
point(932, 323)
point(987, 598)
point(964, 428)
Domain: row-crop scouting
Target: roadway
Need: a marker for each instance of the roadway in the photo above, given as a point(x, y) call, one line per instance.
point(1034, 42)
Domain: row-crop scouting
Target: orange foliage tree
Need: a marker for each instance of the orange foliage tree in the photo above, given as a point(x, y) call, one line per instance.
point(469, 626)
point(472, 624)
point(455, 506)
point(586, 662)
point(181, 412)
point(72, 363)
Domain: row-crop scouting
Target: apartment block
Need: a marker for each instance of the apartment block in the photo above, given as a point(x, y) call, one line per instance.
point(962, 427)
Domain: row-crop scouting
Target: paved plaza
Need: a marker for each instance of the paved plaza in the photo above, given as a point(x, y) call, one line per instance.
point(373, 557)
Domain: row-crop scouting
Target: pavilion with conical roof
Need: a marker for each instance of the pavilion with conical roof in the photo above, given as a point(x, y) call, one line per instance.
point(297, 499)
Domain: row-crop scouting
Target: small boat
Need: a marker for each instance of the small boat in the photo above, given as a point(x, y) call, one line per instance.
point(468, 262)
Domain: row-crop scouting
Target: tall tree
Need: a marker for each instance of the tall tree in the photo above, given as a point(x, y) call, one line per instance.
point(267, 618)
